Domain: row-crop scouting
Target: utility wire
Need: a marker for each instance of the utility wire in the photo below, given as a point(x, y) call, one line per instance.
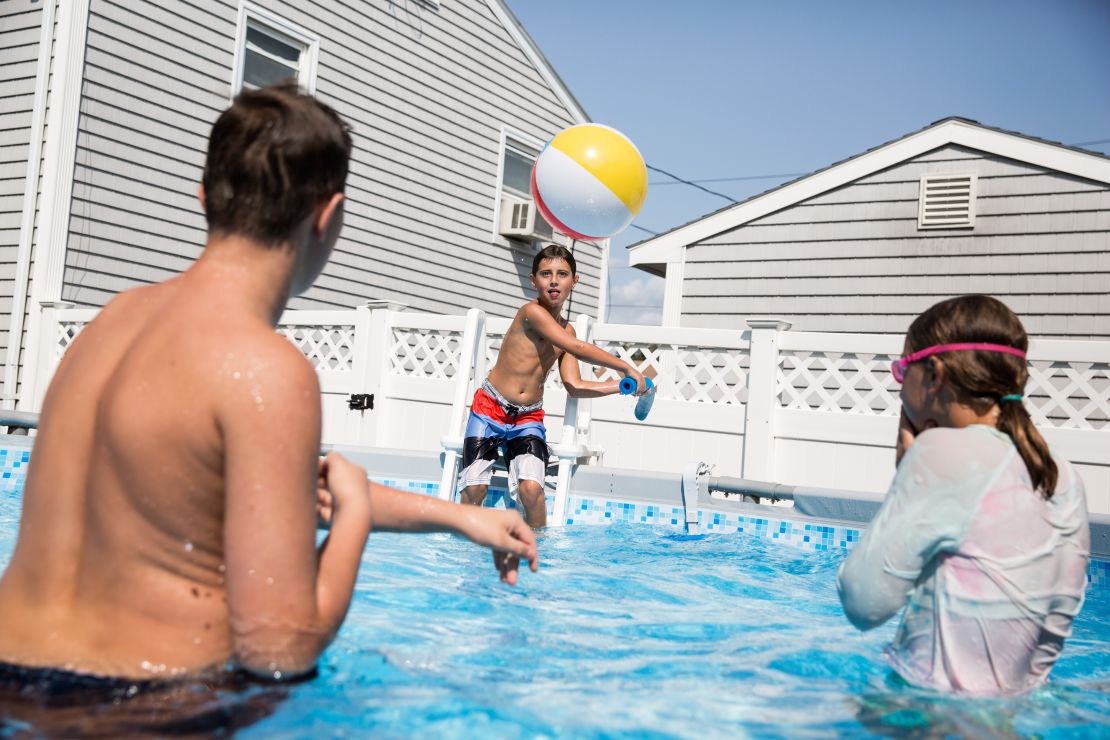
point(780, 176)
point(692, 184)
point(1089, 143)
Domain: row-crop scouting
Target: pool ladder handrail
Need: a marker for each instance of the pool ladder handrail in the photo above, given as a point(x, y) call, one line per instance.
point(18, 422)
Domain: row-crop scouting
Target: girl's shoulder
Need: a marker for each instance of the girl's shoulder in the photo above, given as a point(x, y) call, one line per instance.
point(958, 451)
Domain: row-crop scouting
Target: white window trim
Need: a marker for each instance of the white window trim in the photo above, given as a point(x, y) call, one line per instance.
point(507, 132)
point(306, 77)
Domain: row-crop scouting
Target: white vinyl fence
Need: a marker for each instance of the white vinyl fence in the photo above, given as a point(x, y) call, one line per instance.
point(766, 403)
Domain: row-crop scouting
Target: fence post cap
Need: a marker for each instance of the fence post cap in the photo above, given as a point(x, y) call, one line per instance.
point(378, 303)
point(769, 323)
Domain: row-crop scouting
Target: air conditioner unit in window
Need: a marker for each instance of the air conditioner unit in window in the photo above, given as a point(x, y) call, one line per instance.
point(521, 221)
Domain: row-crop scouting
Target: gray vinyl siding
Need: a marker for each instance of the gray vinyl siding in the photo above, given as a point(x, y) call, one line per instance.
point(19, 37)
point(853, 259)
point(426, 91)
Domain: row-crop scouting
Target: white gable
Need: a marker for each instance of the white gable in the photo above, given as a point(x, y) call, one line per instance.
point(668, 247)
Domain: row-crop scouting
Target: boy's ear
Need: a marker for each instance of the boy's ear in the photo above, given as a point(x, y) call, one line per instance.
point(200, 195)
point(326, 213)
point(532, 277)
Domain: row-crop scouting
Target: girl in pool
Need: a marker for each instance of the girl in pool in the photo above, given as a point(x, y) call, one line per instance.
point(983, 535)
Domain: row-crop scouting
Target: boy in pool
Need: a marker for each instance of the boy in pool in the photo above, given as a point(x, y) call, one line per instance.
point(170, 510)
point(983, 535)
point(508, 409)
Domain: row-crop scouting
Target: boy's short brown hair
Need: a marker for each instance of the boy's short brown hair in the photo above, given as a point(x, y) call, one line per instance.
point(273, 156)
point(552, 252)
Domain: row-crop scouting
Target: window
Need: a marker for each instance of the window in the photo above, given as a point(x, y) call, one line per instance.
point(515, 217)
point(271, 49)
point(947, 201)
point(516, 168)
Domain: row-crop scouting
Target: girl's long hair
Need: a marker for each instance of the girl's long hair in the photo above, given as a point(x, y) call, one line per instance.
point(982, 378)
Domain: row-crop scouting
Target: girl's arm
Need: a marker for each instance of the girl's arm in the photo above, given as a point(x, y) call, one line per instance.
point(925, 512)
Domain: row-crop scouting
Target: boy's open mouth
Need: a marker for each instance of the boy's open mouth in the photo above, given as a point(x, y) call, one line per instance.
point(552, 293)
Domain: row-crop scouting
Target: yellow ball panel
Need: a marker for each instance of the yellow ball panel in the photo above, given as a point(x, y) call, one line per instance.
point(610, 157)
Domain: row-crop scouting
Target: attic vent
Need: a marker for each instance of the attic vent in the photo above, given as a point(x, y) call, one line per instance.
point(947, 201)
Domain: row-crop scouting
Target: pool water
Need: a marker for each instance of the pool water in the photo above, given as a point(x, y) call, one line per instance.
point(627, 631)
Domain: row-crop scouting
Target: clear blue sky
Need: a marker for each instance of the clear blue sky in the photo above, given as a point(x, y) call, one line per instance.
point(729, 88)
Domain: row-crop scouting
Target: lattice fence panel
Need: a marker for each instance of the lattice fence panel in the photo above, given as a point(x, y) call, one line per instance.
point(67, 331)
point(841, 382)
point(425, 353)
point(328, 347)
point(685, 373)
point(1069, 395)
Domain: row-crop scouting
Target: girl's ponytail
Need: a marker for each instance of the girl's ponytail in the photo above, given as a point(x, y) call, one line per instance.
point(1014, 420)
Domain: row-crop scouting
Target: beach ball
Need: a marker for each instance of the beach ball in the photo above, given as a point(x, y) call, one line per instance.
point(589, 182)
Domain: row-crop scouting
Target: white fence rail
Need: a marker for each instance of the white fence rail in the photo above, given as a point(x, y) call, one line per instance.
point(765, 403)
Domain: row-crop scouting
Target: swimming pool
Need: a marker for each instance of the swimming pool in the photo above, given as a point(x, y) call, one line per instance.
point(629, 629)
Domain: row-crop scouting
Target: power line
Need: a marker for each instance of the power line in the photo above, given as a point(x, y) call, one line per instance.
point(779, 176)
point(641, 228)
point(1089, 143)
point(692, 184)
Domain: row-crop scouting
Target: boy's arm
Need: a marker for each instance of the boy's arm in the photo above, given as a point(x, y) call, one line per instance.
point(285, 600)
point(502, 531)
point(571, 375)
point(550, 329)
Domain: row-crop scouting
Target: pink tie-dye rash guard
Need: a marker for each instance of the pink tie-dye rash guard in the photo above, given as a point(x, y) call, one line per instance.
point(991, 574)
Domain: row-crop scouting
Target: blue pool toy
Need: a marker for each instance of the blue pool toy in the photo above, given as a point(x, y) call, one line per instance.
point(643, 405)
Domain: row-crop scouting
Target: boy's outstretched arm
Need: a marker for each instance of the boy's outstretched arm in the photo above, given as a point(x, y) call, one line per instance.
point(502, 531)
point(571, 375)
point(285, 600)
point(550, 329)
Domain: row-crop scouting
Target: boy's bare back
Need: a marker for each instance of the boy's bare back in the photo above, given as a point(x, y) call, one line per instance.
point(120, 554)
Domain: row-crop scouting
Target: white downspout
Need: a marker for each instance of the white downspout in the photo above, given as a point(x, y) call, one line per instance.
point(30, 203)
point(57, 186)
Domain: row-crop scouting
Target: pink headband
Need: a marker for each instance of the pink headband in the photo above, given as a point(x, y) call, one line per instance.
point(898, 367)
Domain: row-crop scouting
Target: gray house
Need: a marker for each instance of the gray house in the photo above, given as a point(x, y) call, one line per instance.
point(866, 244)
point(105, 108)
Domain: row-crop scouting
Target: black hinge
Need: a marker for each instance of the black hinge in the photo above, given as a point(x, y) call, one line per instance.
point(360, 401)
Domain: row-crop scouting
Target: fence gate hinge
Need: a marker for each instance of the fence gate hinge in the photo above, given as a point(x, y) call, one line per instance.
point(360, 401)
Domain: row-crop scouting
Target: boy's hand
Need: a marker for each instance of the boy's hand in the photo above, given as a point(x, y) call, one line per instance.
point(342, 486)
point(641, 385)
point(906, 436)
point(506, 534)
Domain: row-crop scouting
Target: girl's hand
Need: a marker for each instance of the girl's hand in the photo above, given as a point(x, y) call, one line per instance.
point(906, 436)
point(506, 534)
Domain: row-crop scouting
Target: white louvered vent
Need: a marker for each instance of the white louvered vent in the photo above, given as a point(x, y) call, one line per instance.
point(947, 201)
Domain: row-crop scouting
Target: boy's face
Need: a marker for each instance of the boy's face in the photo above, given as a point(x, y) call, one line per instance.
point(554, 282)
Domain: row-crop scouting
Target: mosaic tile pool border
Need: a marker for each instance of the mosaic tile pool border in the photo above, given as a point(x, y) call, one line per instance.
point(13, 467)
point(585, 510)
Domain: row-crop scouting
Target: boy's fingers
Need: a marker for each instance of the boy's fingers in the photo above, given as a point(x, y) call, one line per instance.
point(506, 566)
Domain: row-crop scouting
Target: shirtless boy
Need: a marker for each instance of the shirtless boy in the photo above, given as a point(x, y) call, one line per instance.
point(170, 509)
point(508, 409)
